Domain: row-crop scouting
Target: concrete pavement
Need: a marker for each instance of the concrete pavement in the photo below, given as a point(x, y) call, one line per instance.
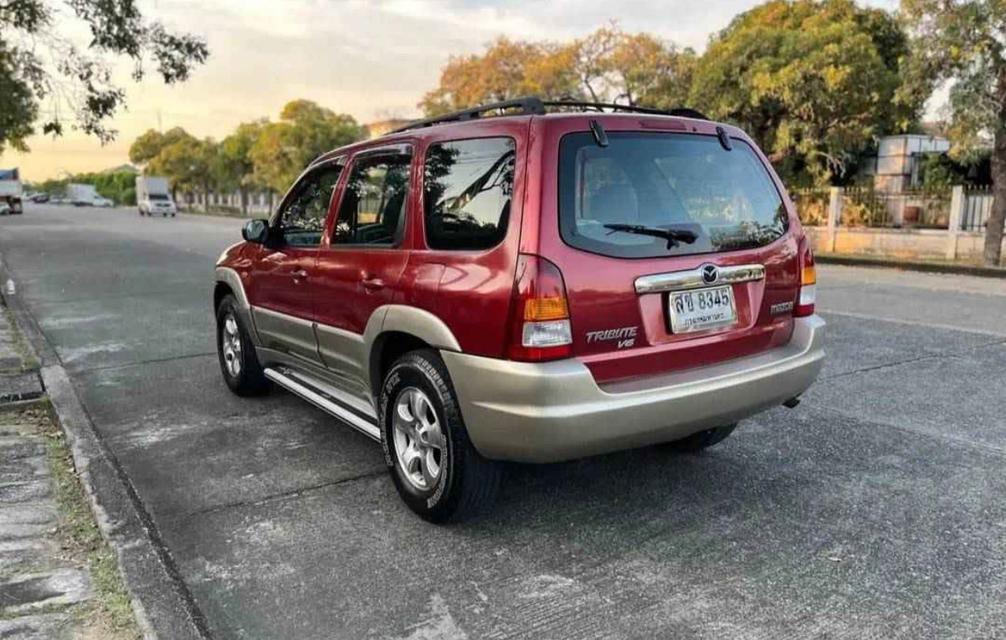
point(874, 509)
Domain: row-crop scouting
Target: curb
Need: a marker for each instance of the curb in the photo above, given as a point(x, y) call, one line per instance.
point(910, 265)
point(161, 602)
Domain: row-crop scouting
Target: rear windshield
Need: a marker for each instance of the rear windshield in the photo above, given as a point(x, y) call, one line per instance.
point(665, 182)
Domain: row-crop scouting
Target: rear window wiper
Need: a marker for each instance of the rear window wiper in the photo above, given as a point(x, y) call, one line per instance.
point(673, 236)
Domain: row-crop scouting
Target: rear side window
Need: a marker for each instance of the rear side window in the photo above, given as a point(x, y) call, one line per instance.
point(468, 185)
point(663, 182)
point(373, 204)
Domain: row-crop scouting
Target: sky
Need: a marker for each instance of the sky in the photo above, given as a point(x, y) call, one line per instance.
point(373, 59)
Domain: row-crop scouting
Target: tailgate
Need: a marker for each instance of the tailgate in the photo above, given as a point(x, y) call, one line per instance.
point(677, 250)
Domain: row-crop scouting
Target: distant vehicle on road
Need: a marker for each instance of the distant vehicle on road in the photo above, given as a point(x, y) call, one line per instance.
point(550, 284)
point(38, 197)
point(11, 190)
point(153, 195)
point(82, 195)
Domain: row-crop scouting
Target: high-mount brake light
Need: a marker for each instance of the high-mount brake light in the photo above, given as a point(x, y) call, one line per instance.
point(540, 317)
point(808, 284)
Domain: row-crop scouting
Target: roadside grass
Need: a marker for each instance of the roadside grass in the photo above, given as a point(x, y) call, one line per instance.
point(28, 360)
point(109, 615)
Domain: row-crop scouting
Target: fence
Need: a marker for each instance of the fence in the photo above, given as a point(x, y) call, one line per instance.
point(977, 209)
point(259, 203)
point(866, 207)
point(946, 225)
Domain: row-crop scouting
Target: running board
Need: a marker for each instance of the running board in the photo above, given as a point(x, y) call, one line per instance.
point(325, 397)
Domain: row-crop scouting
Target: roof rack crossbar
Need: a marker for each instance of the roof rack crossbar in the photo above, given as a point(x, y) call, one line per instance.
point(532, 105)
point(528, 105)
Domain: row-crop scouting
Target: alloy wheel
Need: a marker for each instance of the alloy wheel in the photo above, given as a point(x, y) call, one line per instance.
point(419, 439)
point(231, 343)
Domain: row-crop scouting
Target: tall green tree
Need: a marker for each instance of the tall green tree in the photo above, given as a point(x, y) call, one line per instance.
point(234, 167)
point(146, 147)
point(41, 66)
point(963, 42)
point(305, 130)
point(815, 82)
point(608, 65)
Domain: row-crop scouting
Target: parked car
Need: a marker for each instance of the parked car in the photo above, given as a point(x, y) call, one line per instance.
point(39, 198)
point(103, 202)
point(549, 284)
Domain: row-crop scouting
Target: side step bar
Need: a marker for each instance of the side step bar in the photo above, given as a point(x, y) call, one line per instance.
point(325, 397)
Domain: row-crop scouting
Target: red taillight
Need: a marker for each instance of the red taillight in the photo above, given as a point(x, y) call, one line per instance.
point(539, 318)
point(808, 284)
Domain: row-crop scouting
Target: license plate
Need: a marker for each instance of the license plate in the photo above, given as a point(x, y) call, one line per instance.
point(701, 309)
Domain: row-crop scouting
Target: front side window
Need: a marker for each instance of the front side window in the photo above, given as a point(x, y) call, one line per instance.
point(373, 205)
point(303, 218)
point(468, 185)
point(662, 184)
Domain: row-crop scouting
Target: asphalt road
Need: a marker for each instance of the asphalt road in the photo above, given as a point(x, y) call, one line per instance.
point(873, 510)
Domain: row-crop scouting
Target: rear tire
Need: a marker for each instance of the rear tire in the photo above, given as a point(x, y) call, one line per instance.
point(435, 468)
point(238, 361)
point(703, 439)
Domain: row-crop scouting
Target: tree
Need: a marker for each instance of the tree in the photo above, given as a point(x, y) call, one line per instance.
point(508, 69)
point(964, 42)
point(39, 62)
point(188, 164)
point(146, 147)
point(815, 82)
point(304, 131)
point(633, 69)
point(605, 66)
point(234, 167)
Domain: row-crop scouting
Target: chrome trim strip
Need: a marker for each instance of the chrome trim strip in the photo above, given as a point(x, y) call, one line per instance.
point(326, 402)
point(692, 278)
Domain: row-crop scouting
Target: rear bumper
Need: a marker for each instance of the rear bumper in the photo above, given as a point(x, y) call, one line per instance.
point(554, 411)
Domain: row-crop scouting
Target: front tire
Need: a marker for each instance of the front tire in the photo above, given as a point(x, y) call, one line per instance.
point(238, 361)
point(435, 468)
point(703, 439)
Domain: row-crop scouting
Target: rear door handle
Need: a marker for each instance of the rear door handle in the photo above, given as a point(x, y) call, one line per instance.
point(300, 274)
point(373, 284)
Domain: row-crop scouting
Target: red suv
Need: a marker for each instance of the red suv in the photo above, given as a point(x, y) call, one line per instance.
point(529, 281)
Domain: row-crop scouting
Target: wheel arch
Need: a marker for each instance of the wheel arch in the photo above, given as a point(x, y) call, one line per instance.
point(228, 282)
point(394, 330)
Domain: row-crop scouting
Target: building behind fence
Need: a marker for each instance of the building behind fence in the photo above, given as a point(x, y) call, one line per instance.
point(916, 225)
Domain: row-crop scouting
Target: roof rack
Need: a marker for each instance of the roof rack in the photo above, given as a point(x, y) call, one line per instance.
point(528, 105)
point(532, 105)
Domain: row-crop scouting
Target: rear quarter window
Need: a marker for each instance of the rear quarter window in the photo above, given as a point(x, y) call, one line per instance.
point(665, 182)
point(467, 189)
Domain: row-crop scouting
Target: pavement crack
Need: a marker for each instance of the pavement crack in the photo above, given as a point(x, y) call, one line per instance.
point(898, 363)
point(140, 363)
point(283, 495)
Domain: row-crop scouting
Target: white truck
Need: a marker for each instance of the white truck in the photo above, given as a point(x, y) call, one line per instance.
point(153, 195)
point(82, 195)
point(11, 191)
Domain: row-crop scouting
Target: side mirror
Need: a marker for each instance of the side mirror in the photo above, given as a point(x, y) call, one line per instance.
point(255, 231)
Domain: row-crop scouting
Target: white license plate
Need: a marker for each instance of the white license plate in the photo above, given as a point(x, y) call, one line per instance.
point(701, 309)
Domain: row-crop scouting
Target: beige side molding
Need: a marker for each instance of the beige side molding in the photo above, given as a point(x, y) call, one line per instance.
point(411, 320)
point(231, 278)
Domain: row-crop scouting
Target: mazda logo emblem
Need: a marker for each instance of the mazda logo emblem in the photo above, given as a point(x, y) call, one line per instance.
point(710, 273)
